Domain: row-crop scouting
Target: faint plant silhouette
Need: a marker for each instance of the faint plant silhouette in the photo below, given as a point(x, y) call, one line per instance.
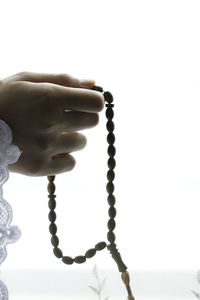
point(198, 280)
point(100, 285)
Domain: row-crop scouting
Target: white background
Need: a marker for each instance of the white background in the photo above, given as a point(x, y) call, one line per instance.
point(146, 53)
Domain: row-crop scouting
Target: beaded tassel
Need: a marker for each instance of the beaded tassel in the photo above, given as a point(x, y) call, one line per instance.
point(111, 201)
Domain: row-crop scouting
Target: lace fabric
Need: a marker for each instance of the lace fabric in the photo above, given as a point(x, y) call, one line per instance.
point(9, 154)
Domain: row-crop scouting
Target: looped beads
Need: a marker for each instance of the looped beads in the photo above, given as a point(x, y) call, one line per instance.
point(111, 201)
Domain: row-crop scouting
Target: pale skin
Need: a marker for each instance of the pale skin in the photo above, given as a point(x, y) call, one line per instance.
point(33, 105)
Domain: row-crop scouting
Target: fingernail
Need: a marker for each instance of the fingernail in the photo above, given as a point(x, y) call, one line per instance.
point(87, 83)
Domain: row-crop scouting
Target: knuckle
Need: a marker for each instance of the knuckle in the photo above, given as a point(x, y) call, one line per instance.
point(22, 74)
point(63, 78)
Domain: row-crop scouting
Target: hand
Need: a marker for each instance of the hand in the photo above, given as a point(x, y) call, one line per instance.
point(33, 105)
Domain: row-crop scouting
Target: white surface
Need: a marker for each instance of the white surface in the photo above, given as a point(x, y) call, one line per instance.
point(146, 284)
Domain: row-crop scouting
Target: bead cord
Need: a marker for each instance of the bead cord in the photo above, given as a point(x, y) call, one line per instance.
point(111, 163)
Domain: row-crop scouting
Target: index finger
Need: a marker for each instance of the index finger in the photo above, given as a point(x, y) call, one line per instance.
point(77, 99)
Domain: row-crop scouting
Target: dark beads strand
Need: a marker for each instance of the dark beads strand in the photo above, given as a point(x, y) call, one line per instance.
point(111, 201)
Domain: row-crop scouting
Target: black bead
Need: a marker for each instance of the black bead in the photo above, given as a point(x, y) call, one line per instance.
point(110, 125)
point(52, 216)
point(110, 175)
point(109, 113)
point(110, 187)
point(112, 212)
point(54, 240)
point(97, 88)
point(111, 163)
point(52, 203)
point(51, 178)
point(68, 260)
point(111, 150)
point(51, 187)
point(111, 237)
point(80, 259)
point(90, 253)
point(53, 228)
point(111, 224)
point(57, 252)
point(111, 200)
point(100, 246)
point(108, 97)
point(110, 138)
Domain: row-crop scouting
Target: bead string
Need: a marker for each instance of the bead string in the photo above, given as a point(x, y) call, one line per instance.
point(111, 201)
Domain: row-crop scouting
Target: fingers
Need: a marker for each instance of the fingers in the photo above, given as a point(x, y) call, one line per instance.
point(59, 79)
point(64, 98)
point(68, 142)
point(74, 121)
point(59, 165)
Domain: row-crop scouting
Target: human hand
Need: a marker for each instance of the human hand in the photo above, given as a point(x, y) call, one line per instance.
point(33, 105)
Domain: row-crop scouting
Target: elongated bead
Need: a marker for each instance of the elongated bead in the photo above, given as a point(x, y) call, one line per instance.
point(112, 212)
point(111, 163)
point(90, 253)
point(108, 97)
point(110, 125)
point(53, 228)
point(52, 216)
point(110, 187)
point(111, 224)
point(111, 237)
point(54, 240)
point(97, 88)
point(110, 138)
point(111, 200)
point(111, 150)
point(57, 252)
point(80, 259)
point(100, 246)
point(52, 203)
point(51, 187)
point(68, 260)
point(109, 113)
point(110, 175)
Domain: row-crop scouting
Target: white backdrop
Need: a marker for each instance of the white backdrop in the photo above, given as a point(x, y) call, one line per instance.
point(146, 53)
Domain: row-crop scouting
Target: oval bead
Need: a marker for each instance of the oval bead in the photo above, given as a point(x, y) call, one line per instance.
point(110, 125)
point(111, 237)
point(112, 212)
point(51, 187)
point(52, 203)
point(52, 216)
point(110, 175)
point(57, 252)
point(97, 88)
point(68, 260)
point(90, 253)
point(53, 228)
point(111, 150)
point(54, 240)
point(110, 187)
point(111, 200)
point(108, 97)
point(80, 259)
point(111, 163)
point(109, 113)
point(110, 138)
point(100, 246)
point(111, 224)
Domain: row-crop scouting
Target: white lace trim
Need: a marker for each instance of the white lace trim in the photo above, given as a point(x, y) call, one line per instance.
point(9, 154)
